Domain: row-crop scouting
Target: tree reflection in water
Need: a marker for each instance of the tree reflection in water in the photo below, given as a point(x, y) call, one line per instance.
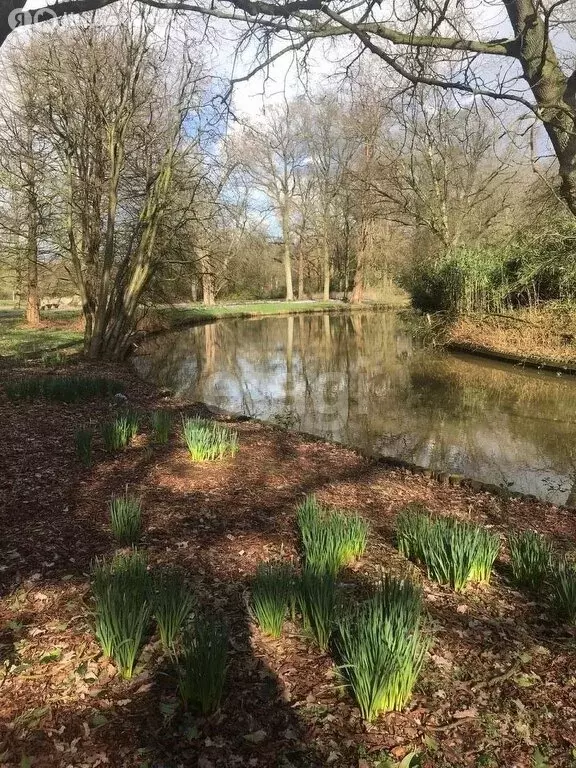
point(361, 379)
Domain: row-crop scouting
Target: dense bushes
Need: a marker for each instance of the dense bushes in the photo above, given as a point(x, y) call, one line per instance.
point(534, 267)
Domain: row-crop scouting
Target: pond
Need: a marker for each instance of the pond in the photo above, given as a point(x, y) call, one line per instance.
point(362, 379)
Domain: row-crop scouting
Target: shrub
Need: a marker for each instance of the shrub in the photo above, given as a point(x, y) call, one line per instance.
point(83, 441)
point(564, 589)
point(118, 433)
point(530, 555)
point(206, 440)
point(172, 605)
point(381, 647)
point(161, 423)
point(317, 599)
point(202, 666)
point(330, 539)
point(120, 588)
point(126, 517)
point(454, 552)
point(272, 590)
point(65, 389)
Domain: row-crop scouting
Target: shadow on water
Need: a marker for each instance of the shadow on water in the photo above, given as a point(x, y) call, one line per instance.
point(361, 379)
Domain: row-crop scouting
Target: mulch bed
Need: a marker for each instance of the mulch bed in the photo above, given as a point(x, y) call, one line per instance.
point(498, 687)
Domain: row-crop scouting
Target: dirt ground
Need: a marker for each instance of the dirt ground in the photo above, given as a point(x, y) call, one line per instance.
point(498, 688)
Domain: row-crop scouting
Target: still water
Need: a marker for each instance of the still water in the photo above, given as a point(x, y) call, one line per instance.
point(362, 379)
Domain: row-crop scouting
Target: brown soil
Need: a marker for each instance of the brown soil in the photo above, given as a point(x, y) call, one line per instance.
point(499, 682)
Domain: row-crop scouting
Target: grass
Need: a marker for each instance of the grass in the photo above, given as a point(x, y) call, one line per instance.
point(530, 556)
point(83, 442)
point(202, 666)
point(454, 552)
point(381, 647)
point(563, 582)
point(161, 424)
point(317, 599)
point(118, 433)
point(64, 389)
point(330, 539)
point(120, 588)
point(19, 341)
point(172, 604)
point(126, 518)
point(271, 596)
point(207, 440)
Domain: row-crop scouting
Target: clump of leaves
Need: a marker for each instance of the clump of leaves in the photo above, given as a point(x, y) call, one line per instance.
point(202, 665)
point(317, 599)
point(563, 581)
point(207, 441)
point(454, 552)
point(330, 539)
point(381, 647)
point(64, 389)
point(531, 556)
point(118, 432)
point(120, 588)
point(126, 517)
point(172, 604)
point(83, 442)
point(161, 423)
point(488, 549)
point(272, 595)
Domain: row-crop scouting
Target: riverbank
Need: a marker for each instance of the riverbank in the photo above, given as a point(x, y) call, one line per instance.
point(494, 690)
point(543, 338)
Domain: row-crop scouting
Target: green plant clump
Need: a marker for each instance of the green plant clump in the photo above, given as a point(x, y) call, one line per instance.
point(126, 518)
point(330, 539)
point(317, 599)
point(120, 588)
point(563, 581)
point(531, 556)
point(271, 596)
point(118, 433)
point(161, 423)
point(207, 441)
point(454, 552)
point(381, 646)
point(64, 389)
point(202, 666)
point(172, 604)
point(83, 442)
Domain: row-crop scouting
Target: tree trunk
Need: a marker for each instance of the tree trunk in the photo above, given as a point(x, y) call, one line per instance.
point(287, 254)
point(326, 267)
point(207, 279)
point(300, 274)
point(32, 296)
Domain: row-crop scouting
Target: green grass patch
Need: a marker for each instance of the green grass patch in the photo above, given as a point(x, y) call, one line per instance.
point(161, 425)
point(83, 443)
point(207, 441)
point(64, 389)
point(120, 588)
point(380, 647)
point(19, 341)
point(454, 552)
point(330, 539)
point(126, 518)
point(172, 604)
point(563, 582)
point(118, 432)
point(530, 557)
point(202, 666)
point(318, 603)
point(272, 594)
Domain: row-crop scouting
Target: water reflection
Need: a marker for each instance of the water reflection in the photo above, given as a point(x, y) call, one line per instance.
point(361, 379)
